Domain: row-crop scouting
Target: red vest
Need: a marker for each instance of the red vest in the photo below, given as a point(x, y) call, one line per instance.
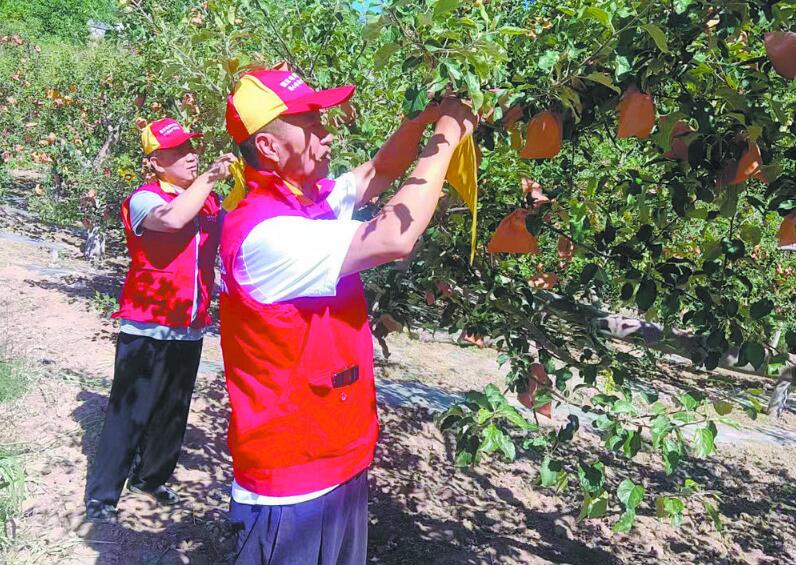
point(160, 285)
point(299, 372)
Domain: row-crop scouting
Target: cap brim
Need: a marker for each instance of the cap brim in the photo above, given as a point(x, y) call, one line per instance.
point(178, 140)
point(320, 100)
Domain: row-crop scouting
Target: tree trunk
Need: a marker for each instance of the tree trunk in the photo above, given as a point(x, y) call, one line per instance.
point(94, 249)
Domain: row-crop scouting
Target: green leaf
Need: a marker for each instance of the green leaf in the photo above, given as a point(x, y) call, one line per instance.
point(483, 415)
point(513, 30)
point(507, 447)
point(477, 399)
point(753, 353)
point(492, 439)
point(672, 455)
point(657, 36)
point(548, 60)
point(511, 414)
point(450, 417)
point(625, 522)
point(714, 515)
point(646, 294)
point(660, 428)
point(594, 506)
point(681, 6)
point(623, 66)
point(588, 273)
point(761, 308)
point(670, 507)
point(415, 101)
point(382, 56)
point(463, 459)
point(703, 442)
point(550, 472)
point(691, 400)
point(373, 28)
point(624, 407)
point(605, 80)
point(494, 396)
point(630, 494)
point(600, 15)
point(591, 477)
point(443, 7)
point(722, 407)
point(632, 444)
point(751, 234)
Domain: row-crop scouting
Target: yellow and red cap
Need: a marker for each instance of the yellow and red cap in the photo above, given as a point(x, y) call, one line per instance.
point(262, 95)
point(164, 134)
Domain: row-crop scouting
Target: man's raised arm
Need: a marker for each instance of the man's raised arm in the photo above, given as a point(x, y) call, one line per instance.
point(392, 234)
point(394, 157)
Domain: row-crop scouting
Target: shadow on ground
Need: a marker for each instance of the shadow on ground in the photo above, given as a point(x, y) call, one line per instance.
point(198, 530)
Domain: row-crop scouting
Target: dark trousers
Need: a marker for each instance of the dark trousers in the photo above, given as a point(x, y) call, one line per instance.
point(146, 416)
point(329, 530)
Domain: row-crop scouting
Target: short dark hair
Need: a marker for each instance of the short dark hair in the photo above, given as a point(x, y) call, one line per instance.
point(247, 147)
point(249, 151)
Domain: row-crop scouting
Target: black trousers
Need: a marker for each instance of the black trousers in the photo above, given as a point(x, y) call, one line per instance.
point(146, 416)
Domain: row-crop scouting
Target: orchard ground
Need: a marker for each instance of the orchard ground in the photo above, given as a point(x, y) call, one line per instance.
point(422, 510)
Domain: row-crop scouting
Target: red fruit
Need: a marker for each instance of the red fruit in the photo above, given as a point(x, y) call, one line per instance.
point(543, 137)
point(636, 114)
point(511, 236)
point(781, 50)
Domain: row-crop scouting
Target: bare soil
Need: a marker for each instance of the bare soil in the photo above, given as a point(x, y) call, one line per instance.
point(422, 510)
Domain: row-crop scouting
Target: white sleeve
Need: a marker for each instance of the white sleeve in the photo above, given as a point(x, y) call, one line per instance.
point(292, 257)
point(343, 197)
point(141, 204)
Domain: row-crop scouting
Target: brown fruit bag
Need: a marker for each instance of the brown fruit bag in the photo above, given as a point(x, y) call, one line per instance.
point(786, 237)
point(636, 114)
point(537, 377)
point(781, 50)
point(543, 137)
point(511, 236)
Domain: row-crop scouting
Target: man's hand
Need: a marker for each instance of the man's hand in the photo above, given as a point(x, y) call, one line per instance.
point(179, 212)
point(456, 118)
point(219, 170)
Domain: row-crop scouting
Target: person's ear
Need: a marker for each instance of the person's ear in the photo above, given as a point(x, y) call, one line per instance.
point(155, 166)
point(267, 147)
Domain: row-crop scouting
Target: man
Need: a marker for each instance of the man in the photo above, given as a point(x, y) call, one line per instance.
point(297, 346)
point(172, 230)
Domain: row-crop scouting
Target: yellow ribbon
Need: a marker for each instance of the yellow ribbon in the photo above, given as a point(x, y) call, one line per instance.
point(238, 191)
point(462, 175)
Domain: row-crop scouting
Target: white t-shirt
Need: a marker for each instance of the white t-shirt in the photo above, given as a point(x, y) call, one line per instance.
point(291, 257)
point(141, 204)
